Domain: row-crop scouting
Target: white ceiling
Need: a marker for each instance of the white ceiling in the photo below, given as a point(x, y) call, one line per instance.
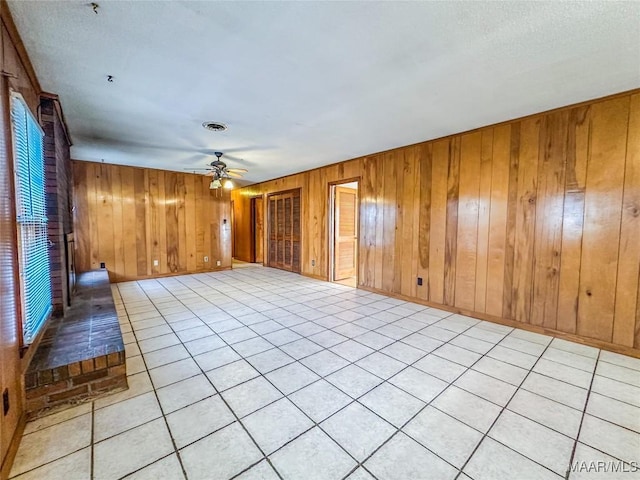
point(304, 84)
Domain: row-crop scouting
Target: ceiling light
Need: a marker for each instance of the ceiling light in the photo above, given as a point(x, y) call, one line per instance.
point(228, 184)
point(215, 126)
point(215, 184)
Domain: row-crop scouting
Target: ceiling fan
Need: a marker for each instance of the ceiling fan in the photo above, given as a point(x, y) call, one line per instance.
point(221, 174)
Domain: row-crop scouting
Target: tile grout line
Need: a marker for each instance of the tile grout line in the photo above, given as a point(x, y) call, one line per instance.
point(314, 423)
point(226, 404)
point(584, 412)
point(93, 426)
point(384, 381)
point(427, 404)
point(394, 340)
point(323, 348)
point(486, 434)
point(155, 392)
point(356, 341)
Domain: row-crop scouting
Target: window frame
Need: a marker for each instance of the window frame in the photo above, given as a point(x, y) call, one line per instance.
point(36, 224)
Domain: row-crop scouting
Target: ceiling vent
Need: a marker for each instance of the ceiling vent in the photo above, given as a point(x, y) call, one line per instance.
point(215, 126)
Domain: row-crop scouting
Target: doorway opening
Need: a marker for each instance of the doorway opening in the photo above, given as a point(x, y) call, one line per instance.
point(257, 230)
point(344, 203)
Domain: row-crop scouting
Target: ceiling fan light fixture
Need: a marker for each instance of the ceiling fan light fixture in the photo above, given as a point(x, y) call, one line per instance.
point(215, 126)
point(215, 184)
point(228, 184)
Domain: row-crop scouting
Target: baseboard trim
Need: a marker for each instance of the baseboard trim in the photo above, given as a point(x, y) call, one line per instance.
point(315, 277)
point(114, 278)
point(591, 342)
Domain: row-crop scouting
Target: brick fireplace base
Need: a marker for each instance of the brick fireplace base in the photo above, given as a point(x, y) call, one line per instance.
point(81, 354)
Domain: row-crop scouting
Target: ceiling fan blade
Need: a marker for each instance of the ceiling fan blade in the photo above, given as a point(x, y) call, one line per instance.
point(236, 159)
point(234, 174)
point(237, 170)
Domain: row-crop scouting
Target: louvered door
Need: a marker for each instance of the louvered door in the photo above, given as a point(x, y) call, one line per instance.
point(284, 230)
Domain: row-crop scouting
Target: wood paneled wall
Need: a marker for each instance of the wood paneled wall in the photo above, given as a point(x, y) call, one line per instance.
point(127, 217)
point(18, 76)
point(535, 220)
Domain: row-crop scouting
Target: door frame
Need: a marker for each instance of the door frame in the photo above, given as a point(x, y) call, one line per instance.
point(253, 243)
point(331, 196)
point(232, 222)
point(267, 220)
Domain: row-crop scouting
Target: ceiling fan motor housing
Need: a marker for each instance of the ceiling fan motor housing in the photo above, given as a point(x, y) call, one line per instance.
point(219, 164)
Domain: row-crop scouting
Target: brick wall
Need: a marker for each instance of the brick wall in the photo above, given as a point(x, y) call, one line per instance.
point(75, 382)
point(59, 183)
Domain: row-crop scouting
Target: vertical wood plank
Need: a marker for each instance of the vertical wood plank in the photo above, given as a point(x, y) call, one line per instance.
point(81, 216)
point(389, 219)
point(453, 185)
point(424, 228)
point(549, 211)
point(93, 189)
point(141, 220)
point(626, 319)
point(367, 223)
point(522, 287)
point(402, 261)
point(409, 283)
point(162, 224)
point(602, 215)
point(200, 212)
point(512, 208)
point(129, 223)
point(118, 234)
point(572, 222)
point(153, 211)
point(181, 199)
point(190, 222)
point(498, 218)
point(147, 223)
point(171, 216)
point(439, 175)
point(484, 211)
point(468, 206)
point(379, 223)
point(224, 245)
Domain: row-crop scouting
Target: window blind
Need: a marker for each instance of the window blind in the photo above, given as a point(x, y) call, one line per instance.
point(31, 213)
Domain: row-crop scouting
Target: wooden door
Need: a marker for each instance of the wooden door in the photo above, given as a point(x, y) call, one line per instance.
point(284, 231)
point(345, 233)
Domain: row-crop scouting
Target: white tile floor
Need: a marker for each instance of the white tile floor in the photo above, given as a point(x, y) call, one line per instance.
point(260, 374)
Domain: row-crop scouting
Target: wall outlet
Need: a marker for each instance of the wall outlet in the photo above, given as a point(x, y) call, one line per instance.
point(206, 259)
point(102, 265)
point(218, 263)
point(419, 281)
point(313, 263)
point(155, 263)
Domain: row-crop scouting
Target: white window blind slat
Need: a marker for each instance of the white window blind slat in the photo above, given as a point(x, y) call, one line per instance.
point(31, 213)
